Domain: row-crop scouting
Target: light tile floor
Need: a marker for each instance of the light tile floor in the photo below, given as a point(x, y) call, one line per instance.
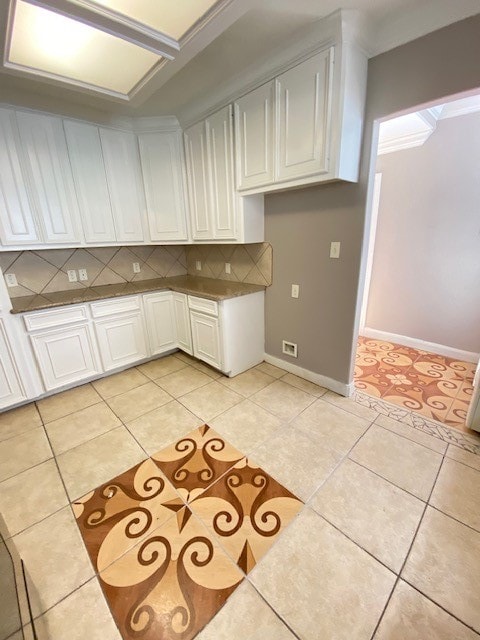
point(387, 545)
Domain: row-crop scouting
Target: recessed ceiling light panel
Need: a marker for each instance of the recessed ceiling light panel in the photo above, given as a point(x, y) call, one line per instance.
point(57, 46)
point(173, 19)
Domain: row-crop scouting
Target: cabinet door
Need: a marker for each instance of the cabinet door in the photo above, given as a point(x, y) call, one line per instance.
point(198, 181)
point(11, 390)
point(122, 166)
point(161, 158)
point(17, 225)
point(160, 319)
point(182, 322)
point(220, 153)
point(254, 122)
point(304, 96)
point(206, 338)
point(45, 149)
point(121, 340)
point(85, 151)
point(65, 355)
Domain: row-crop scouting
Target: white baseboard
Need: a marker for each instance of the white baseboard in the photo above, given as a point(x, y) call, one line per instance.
point(329, 383)
point(416, 343)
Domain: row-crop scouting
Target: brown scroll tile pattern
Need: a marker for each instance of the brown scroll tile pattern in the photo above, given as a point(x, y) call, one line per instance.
point(167, 568)
point(247, 510)
point(429, 384)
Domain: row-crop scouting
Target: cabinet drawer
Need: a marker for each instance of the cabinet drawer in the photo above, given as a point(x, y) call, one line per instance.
point(112, 307)
point(202, 304)
point(55, 317)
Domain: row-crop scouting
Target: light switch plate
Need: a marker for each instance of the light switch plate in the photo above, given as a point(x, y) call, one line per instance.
point(295, 290)
point(11, 280)
point(334, 249)
point(198, 265)
point(136, 267)
point(72, 275)
point(228, 267)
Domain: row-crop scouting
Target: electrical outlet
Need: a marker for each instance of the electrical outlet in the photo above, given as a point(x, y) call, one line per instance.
point(72, 275)
point(82, 274)
point(198, 265)
point(295, 290)
point(334, 249)
point(11, 280)
point(228, 267)
point(136, 267)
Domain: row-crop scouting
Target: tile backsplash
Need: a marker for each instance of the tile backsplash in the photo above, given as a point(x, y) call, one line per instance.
point(46, 271)
point(250, 263)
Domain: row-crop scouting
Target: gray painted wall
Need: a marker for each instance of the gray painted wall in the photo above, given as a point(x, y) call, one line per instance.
point(301, 224)
point(426, 268)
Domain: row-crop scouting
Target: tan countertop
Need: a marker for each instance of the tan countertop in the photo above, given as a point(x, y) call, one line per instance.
point(204, 287)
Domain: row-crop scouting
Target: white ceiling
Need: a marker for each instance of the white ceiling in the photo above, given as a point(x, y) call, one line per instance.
point(244, 32)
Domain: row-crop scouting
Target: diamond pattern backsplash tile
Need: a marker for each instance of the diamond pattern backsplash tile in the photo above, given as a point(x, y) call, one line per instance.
point(250, 263)
point(46, 271)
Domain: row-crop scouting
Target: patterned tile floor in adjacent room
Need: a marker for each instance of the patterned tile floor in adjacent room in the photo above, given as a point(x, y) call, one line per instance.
point(432, 385)
point(296, 514)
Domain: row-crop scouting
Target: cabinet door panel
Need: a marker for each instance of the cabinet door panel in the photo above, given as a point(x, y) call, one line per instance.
point(121, 340)
point(206, 338)
point(45, 148)
point(182, 322)
point(11, 390)
point(17, 224)
point(65, 355)
point(123, 177)
point(198, 181)
point(161, 159)
point(304, 105)
point(220, 151)
point(160, 318)
point(254, 122)
point(88, 168)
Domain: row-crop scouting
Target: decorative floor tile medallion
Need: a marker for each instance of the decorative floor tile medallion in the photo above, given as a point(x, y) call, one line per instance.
point(193, 463)
point(247, 510)
point(167, 568)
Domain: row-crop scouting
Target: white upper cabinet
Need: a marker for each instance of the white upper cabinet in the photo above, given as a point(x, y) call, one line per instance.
point(198, 181)
point(254, 120)
point(304, 97)
point(305, 125)
point(161, 159)
point(220, 159)
point(17, 222)
point(50, 176)
point(88, 168)
point(217, 211)
point(122, 165)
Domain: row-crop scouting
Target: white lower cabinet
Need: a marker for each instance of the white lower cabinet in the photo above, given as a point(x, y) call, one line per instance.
point(160, 321)
point(206, 338)
point(182, 321)
point(120, 331)
point(11, 388)
point(66, 355)
point(80, 342)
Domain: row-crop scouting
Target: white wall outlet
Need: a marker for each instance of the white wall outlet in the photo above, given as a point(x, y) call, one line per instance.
point(228, 267)
point(289, 348)
point(198, 265)
point(11, 280)
point(136, 267)
point(72, 275)
point(295, 290)
point(334, 249)
point(82, 274)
